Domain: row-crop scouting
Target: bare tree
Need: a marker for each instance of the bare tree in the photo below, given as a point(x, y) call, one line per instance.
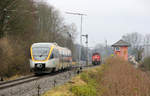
point(16, 26)
point(23, 22)
point(137, 41)
point(51, 26)
point(5, 6)
point(147, 39)
point(147, 45)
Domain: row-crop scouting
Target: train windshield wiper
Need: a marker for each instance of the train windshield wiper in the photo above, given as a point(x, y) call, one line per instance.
point(43, 53)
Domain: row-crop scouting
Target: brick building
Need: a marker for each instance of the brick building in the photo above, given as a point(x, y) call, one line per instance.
point(121, 49)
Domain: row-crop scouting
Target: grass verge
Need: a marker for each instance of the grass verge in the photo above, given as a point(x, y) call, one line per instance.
point(114, 78)
point(85, 84)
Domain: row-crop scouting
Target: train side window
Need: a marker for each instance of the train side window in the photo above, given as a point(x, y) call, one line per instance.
point(56, 53)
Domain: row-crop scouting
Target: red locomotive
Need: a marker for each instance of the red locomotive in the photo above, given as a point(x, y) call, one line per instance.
point(96, 59)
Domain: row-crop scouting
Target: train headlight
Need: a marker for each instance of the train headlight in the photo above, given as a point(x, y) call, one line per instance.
point(39, 66)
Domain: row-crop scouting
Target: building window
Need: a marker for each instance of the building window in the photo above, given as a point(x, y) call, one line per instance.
point(117, 48)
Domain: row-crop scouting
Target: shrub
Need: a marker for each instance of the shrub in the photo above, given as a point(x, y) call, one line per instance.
point(89, 77)
point(146, 64)
point(120, 78)
point(84, 90)
point(92, 79)
point(13, 58)
point(84, 76)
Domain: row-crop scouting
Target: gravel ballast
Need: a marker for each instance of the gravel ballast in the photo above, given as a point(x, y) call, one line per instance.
point(36, 87)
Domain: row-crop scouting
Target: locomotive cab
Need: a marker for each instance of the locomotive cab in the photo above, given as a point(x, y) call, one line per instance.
point(96, 59)
point(42, 57)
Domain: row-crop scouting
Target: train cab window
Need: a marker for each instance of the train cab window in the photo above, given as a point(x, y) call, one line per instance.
point(52, 56)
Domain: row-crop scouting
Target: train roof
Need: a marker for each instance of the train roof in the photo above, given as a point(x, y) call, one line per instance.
point(45, 44)
point(42, 44)
point(96, 53)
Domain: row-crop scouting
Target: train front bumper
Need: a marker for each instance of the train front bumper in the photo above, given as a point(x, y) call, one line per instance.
point(41, 67)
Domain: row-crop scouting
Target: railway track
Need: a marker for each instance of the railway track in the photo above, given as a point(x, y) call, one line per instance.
point(26, 79)
point(18, 81)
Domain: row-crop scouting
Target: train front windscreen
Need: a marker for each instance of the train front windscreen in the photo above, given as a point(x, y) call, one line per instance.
point(40, 53)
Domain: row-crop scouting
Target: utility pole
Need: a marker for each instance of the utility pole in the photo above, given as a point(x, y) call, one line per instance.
point(80, 31)
point(106, 48)
point(87, 53)
point(106, 43)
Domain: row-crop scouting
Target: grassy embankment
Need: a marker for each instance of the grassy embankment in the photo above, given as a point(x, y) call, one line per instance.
point(116, 78)
point(84, 84)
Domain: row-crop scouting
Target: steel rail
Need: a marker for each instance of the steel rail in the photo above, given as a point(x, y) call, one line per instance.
point(21, 78)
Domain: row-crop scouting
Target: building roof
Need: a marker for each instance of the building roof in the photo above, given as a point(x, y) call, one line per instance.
point(121, 43)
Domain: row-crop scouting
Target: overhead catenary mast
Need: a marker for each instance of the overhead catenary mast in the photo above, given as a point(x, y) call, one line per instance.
point(80, 14)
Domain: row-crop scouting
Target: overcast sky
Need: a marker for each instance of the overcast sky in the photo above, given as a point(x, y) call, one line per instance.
point(107, 19)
